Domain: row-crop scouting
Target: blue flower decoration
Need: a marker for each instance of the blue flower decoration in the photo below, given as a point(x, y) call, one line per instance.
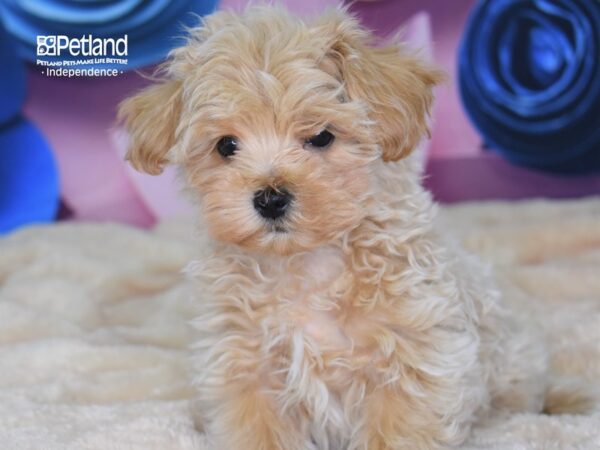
point(29, 187)
point(12, 79)
point(529, 74)
point(152, 26)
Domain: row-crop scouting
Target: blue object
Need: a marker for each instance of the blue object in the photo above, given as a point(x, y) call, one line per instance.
point(153, 26)
point(12, 79)
point(29, 188)
point(529, 73)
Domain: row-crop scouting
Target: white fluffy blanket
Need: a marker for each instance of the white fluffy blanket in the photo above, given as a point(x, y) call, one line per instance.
point(94, 326)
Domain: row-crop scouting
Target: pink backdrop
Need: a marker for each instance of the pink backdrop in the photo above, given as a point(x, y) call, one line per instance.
point(77, 116)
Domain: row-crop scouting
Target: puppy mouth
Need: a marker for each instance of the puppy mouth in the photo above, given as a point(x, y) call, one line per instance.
point(277, 227)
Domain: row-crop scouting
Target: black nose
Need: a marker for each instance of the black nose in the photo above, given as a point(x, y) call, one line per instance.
point(271, 203)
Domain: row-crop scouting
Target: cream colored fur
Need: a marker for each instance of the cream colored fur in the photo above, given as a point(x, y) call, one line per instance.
point(95, 335)
point(353, 323)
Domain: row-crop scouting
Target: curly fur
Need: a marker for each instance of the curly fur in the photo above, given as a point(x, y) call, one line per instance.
point(360, 326)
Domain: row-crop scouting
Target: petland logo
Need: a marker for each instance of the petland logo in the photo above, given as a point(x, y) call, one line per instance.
point(98, 52)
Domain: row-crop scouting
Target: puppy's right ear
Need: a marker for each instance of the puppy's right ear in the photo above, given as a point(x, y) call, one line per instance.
point(151, 119)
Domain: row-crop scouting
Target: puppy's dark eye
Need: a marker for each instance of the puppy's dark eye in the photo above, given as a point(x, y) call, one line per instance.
point(227, 146)
point(321, 140)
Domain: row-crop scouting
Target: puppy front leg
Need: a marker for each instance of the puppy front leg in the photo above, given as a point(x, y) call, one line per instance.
point(244, 416)
point(394, 421)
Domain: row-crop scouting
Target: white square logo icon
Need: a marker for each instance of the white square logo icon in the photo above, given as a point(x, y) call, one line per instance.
point(46, 45)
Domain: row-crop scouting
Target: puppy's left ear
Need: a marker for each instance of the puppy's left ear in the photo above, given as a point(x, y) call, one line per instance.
point(396, 85)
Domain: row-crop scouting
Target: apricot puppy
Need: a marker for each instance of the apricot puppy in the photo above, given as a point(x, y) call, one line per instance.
point(334, 316)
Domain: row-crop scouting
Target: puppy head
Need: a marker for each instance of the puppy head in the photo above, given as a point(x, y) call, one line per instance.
point(276, 123)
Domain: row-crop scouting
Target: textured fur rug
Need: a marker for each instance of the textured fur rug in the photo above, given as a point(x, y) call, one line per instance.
point(94, 326)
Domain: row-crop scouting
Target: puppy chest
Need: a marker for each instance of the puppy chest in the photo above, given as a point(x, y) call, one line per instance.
point(316, 304)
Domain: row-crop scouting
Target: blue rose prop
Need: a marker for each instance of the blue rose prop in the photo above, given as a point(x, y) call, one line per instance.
point(152, 26)
point(12, 79)
point(29, 188)
point(529, 74)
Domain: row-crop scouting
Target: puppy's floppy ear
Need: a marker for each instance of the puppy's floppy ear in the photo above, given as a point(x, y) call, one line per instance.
point(151, 118)
point(396, 85)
